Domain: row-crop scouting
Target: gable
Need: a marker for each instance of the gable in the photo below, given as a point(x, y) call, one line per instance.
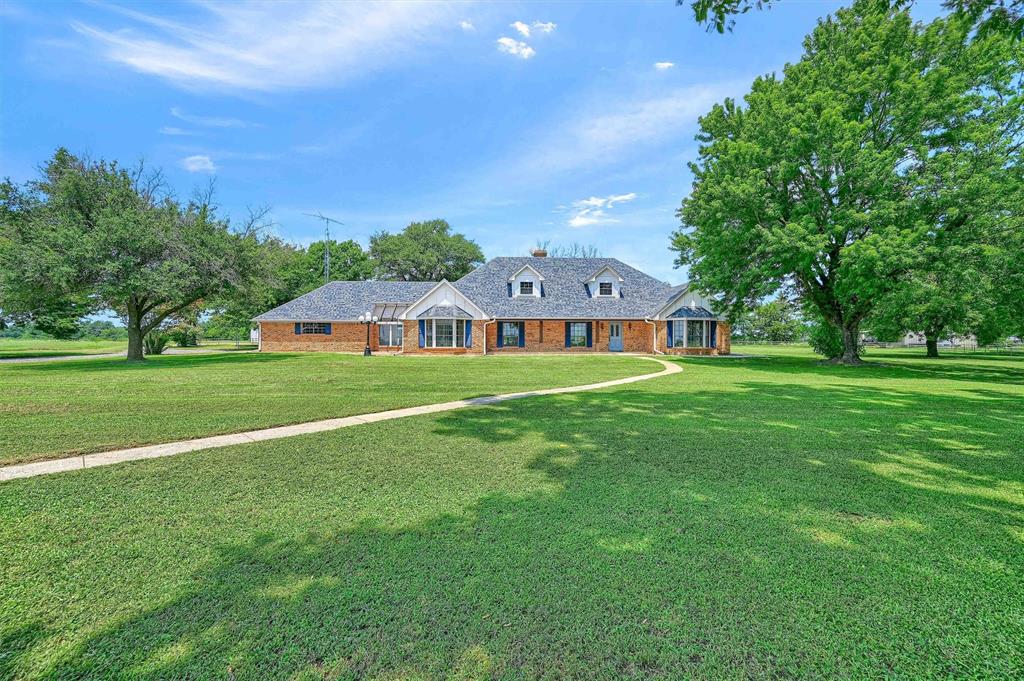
point(443, 296)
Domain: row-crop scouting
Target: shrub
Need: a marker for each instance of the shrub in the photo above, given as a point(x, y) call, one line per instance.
point(154, 343)
point(184, 335)
point(825, 338)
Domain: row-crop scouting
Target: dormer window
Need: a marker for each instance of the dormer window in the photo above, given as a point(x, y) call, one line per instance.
point(604, 288)
point(526, 288)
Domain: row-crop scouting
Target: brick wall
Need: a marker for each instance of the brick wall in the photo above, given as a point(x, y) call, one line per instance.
point(549, 336)
point(345, 337)
point(541, 336)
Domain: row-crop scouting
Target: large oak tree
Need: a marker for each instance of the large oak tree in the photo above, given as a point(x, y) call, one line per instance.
point(104, 237)
point(831, 179)
point(424, 251)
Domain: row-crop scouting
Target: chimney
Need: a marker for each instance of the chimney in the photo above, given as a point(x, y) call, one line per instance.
point(538, 253)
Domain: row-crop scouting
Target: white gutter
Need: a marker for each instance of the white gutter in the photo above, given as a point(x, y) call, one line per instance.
point(654, 326)
point(486, 322)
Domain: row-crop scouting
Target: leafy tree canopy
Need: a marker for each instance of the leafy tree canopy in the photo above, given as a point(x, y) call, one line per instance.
point(103, 237)
point(424, 251)
point(1004, 16)
point(830, 181)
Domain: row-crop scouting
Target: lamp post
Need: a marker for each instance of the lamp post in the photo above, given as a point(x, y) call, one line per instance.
point(368, 319)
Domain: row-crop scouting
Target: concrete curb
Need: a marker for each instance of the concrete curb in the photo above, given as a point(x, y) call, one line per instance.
point(28, 470)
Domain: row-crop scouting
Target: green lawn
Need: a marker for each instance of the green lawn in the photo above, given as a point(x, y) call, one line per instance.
point(11, 348)
point(61, 408)
point(767, 517)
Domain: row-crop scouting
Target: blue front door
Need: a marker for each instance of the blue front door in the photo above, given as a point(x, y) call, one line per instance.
point(615, 336)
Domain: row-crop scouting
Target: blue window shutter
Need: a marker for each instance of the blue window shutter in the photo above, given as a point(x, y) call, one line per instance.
point(522, 334)
point(714, 333)
point(298, 329)
point(510, 289)
point(327, 329)
point(423, 332)
point(501, 334)
point(589, 294)
point(469, 333)
point(590, 334)
point(542, 289)
point(568, 330)
point(668, 333)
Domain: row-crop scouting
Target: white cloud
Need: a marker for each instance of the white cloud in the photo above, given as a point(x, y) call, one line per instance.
point(268, 47)
point(467, 25)
point(171, 130)
point(594, 211)
point(524, 29)
point(599, 131)
point(515, 47)
point(663, 65)
point(211, 121)
point(545, 26)
point(198, 164)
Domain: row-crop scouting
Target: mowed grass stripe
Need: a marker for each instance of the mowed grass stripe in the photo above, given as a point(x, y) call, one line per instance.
point(60, 409)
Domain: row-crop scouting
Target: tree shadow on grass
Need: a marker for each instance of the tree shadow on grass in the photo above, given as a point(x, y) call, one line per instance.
point(152, 363)
point(904, 367)
point(762, 532)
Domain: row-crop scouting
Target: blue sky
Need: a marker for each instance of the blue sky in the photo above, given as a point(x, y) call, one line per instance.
point(515, 122)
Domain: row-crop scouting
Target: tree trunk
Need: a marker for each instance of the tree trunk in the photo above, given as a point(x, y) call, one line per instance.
point(932, 343)
point(851, 343)
point(134, 339)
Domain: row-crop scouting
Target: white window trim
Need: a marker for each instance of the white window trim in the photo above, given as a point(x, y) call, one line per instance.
point(532, 289)
point(456, 336)
point(610, 294)
point(391, 335)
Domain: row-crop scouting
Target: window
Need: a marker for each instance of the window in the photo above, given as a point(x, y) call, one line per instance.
point(695, 333)
point(678, 334)
point(578, 335)
point(510, 334)
point(604, 288)
point(444, 330)
point(321, 328)
point(691, 333)
point(444, 333)
point(526, 288)
point(389, 335)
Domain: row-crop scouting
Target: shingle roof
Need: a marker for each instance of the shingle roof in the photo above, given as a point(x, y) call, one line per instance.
point(346, 300)
point(444, 312)
point(565, 294)
point(692, 313)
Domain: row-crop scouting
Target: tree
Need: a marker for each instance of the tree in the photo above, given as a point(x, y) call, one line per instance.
point(349, 262)
point(95, 232)
point(1006, 16)
point(570, 250)
point(775, 322)
point(830, 180)
point(424, 251)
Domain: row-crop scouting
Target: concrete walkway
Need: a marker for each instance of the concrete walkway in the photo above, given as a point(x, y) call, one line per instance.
point(28, 470)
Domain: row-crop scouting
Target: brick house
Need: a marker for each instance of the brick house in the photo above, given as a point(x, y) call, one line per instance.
point(528, 304)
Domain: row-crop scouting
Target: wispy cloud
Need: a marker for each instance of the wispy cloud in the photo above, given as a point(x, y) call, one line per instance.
point(211, 121)
point(176, 132)
point(599, 131)
point(269, 46)
point(516, 48)
point(594, 211)
point(524, 29)
point(467, 25)
point(663, 65)
point(545, 26)
point(198, 164)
